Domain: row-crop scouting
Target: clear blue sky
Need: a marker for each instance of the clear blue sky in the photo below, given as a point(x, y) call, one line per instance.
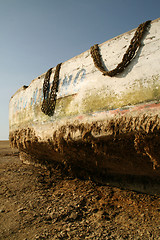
point(38, 34)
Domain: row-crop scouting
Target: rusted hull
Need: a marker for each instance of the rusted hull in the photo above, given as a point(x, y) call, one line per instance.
point(105, 128)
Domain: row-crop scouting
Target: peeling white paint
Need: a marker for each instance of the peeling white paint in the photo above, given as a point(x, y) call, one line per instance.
point(84, 84)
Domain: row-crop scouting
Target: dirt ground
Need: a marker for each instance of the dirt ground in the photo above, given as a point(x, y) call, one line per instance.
point(36, 204)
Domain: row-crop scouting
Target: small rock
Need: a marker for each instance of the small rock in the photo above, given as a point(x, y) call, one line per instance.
point(2, 210)
point(20, 209)
point(48, 218)
point(102, 215)
point(74, 215)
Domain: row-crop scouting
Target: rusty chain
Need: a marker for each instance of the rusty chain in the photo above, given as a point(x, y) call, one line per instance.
point(49, 98)
point(128, 56)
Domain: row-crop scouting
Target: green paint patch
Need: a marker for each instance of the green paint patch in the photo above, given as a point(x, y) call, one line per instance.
point(62, 107)
point(142, 91)
point(97, 102)
point(146, 91)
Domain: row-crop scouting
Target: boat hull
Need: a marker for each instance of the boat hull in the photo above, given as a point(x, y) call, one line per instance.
point(103, 127)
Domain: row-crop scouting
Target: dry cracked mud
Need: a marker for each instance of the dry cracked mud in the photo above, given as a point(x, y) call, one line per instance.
point(37, 203)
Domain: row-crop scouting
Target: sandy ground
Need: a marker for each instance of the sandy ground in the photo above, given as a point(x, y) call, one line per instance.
point(35, 204)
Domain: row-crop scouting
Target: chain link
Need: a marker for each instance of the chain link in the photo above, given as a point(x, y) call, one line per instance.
point(128, 56)
point(49, 98)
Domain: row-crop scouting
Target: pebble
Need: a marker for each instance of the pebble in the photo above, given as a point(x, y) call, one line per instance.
point(2, 210)
point(74, 215)
point(20, 209)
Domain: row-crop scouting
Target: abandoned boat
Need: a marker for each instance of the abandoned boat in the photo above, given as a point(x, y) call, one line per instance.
point(103, 122)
